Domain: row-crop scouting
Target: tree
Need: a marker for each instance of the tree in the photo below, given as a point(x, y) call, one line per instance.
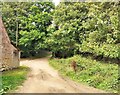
point(73, 27)
point(11, 14)
point(69, 33)
point(33, 19)
point(85, 27)
point(103, 38)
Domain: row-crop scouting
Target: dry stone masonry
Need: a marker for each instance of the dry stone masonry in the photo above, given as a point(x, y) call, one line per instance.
point(9, 55)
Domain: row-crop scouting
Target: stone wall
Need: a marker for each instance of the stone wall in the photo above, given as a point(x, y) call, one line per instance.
point(9, 54)
point(0, 49)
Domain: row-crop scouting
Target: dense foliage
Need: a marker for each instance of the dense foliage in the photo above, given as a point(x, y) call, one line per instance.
point(33, 20)
point(90, 72)
point(85, 27)
point(69, 32)
point(70, 28)
point(104, 36)
point(11, 14)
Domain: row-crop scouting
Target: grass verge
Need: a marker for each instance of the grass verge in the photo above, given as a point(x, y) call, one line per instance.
point(89, 72)
point(11, 79)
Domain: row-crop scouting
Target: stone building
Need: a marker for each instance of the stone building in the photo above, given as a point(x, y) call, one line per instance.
point(9, 55)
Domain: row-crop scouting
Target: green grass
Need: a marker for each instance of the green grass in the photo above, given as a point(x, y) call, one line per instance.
point(13, 78)
point(89, 72)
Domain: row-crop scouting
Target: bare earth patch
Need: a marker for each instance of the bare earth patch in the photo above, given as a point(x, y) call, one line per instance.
point(44, 79)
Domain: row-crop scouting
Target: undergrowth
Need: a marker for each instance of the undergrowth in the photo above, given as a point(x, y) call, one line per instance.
point(90, 72)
